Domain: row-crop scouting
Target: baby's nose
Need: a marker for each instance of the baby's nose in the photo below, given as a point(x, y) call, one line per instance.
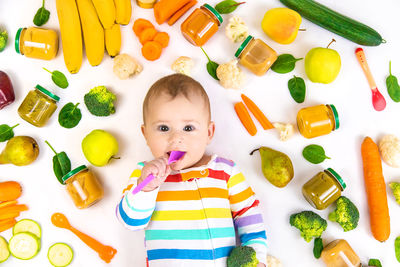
point(176, 138)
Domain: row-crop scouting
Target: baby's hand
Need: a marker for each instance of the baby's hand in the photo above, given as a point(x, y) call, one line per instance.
point(159, 168)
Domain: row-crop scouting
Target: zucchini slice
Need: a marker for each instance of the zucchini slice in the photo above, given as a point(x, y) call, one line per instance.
point(27, 225)
point(60, 255)
point(24, 246)
point(4, 252)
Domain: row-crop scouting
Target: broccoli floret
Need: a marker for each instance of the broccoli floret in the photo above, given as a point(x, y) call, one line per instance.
point(3, 39)
point(396, 190)
point(309, 223)
point(242, 256)
point(346, 214)
point(99, 101)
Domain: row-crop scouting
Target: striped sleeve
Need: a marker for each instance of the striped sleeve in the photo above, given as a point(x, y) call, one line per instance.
point(135, 211)
point(246, 215)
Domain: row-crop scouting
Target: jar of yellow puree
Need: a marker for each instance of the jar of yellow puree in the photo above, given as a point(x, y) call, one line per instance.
point(83, 187)
point(317, 120)
point(37, 43)
point(38, 106)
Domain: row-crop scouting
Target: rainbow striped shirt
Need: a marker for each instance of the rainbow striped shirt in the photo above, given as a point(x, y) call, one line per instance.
point(190, 220)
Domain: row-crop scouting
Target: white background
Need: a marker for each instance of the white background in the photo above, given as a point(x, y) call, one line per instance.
point(349, 93)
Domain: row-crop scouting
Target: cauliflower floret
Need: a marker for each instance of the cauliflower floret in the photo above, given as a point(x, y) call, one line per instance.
point(236, 30)
point(125, 66)
point(389, 147)
point(273, 262)
point(285, 130)
point(230, 75)
point(183, 65)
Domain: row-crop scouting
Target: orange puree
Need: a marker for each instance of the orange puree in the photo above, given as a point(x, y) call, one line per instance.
point(37, 43)
point(338, 253)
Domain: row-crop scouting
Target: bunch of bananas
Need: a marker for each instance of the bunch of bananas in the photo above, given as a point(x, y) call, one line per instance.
point(99, 21)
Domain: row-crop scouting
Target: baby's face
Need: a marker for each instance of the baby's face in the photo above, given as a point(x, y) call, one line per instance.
point(178, 124)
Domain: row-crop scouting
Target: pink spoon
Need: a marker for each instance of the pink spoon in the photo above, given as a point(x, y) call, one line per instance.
point(173, 157)
point(378, 101)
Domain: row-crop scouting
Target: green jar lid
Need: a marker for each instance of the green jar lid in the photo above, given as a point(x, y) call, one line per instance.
point(73, 172)
point(48, 93)
point(336, 115)
point(17, 37)
point(337, 176)
point(243, 45)
point(215, 12)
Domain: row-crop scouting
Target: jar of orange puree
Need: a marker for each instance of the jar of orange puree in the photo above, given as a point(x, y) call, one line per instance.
point(201, 25)
point(317, 120)
point(339, 253)
point(37, 43)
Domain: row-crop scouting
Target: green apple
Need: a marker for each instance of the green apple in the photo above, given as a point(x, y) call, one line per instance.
point(99, 147)
point(322, 64)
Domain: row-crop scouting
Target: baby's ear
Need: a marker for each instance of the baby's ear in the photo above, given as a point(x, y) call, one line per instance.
point(142, 128)
point(211, 131)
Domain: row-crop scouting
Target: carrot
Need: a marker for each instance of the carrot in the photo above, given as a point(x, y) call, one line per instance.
point(245, 118)
point(265, 123)
point(7, 203)
point(13, 208)
point(7, 224)
point(147, 35)
point(376, 190)
point(10, 190)
point(164, 9)
point(178, 14)
point(9, 215)
point(151, 50)
point(141, 24)
point(162, 38)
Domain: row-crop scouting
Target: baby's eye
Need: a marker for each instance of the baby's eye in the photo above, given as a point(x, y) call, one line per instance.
point(163, 128)
point(188, 128)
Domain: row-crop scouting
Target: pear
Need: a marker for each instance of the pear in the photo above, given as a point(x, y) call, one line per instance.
point(20, 151)
point(276, 166)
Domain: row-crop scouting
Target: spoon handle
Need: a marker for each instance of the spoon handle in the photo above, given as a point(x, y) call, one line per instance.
point(364, 65)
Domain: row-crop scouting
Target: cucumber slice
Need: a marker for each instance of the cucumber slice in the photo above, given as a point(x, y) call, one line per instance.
point(60, 255)
point(4, 252)
point(24, 246)
point(27, 225)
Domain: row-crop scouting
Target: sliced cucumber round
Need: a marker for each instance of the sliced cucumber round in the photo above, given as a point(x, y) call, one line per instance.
point(4, 252)
point(60, 255)
point(27, 225)
point(24, 246)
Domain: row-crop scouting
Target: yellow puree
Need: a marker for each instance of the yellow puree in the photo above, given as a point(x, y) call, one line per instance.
point(315, 121)
point(258, 57)
point(338, 253)
point(38, 43)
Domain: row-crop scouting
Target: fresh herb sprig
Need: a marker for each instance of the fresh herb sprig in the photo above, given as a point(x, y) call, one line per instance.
point(314, 154)
point(61, 164)
point(70, 115)
point(211, 66)
point(58, 78)
point(6, 132)
point(41, 16)
point(285, 63)
point(227, 6)
point(297, 89)
point(392, 85)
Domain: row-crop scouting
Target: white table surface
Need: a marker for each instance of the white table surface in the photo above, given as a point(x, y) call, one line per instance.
point(349, 92)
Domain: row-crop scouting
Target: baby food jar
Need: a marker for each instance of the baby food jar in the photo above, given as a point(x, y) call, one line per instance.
point(339, 253)
point(83, 187)
point(38, 106)
point(256, 55)
point(36, 43)
point(323, 189)
point(146, 3)
point(317, 120)
point(201, 25)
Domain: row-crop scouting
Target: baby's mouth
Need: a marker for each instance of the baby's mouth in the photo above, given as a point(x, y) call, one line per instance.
point(175, 157)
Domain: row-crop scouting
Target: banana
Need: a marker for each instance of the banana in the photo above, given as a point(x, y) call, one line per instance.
point(123, 11)
point(93, 32)
point(71, 34)
point(113, 40)
point(106, 11)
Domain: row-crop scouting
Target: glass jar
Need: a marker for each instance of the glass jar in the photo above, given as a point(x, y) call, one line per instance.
point(323, 189)
point(146, 3)
point(201, 25)
point(256, 55)
point(339, 253)
point(37, 43)
point(38, 106)
point(7, 95)
point(83, 187)
point(317, 120)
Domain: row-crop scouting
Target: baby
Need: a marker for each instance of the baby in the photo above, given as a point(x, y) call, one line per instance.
point(190, 210)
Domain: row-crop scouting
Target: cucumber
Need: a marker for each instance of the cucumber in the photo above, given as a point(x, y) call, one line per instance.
point(335, 22)
point(27, 225)
point(60, 254)
point(4, 252)
point(24, 246)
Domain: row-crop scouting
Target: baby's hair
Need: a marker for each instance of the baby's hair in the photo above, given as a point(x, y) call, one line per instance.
point(175, 85)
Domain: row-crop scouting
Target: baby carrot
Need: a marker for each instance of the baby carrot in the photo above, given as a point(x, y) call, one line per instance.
point(7, 224)
point(13, 208)
point(178, 14)
point(245, 118)
point(376, 190)
point(10, 190)
point(140, 24)
point(147, 35)
point(151, 50)
point(265, 123)
point(7, 203)
point(162, 38)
